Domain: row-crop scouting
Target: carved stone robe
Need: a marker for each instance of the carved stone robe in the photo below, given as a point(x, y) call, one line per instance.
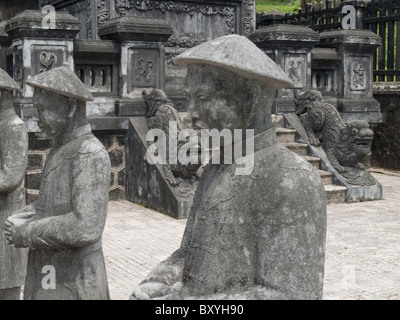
point(13, 161)
point(64, 236)
point(266, 229)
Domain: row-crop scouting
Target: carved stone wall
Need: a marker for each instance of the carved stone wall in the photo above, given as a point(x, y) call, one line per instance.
point(9, 8)
point(193, 22)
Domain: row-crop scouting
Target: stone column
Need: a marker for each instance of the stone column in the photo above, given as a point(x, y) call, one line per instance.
point(38, 47)
point(142, 59)
point(356, 49)
point(290, 48)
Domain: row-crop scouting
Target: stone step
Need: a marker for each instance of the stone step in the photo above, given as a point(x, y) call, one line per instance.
point(326, 176)
point(285, 135)
point(299, 148)
point(314, 161)
point(278, 120)
point(335, 194)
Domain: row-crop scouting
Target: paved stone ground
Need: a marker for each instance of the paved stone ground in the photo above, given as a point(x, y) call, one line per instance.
point(362, 252)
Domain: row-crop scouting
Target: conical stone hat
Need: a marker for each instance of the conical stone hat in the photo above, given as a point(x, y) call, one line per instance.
point(239, 55)
point(61, 80)
point(6, 82)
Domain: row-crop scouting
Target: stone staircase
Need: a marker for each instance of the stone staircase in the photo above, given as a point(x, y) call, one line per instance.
point(288, 138)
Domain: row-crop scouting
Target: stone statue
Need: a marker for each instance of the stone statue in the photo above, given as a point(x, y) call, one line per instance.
point(345, 145)
point(259, 235)
point(63, 229)
point(159, 115)
point(13, 162)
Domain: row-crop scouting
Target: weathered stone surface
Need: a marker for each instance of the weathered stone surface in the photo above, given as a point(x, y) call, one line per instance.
point(356, 49)
point(13, 163)
point(136, 29)
point(29, 23)
point(290, 48)
point(341, 147)
point(63, 228)
point(259, 235)
point(7, 82)
point(59, 81)
point(238, 55)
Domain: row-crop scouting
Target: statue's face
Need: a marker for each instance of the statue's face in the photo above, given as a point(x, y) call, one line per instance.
point(53, 112)
point(213, 101)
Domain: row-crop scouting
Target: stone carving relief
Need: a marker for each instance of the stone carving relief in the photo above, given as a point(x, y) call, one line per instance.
point(123, 6)
point(159, 114)
point(18, 63)
point(103, 14)
point(358, 76)
point(294, 69)
point(345, 145)
point(184, 42)
point(47, 61)
point(144, 74)
point(89, 19)
point(248, 19)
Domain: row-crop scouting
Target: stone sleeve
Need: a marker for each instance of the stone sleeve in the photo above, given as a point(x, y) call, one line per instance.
point(14, 157)
point(84, 225)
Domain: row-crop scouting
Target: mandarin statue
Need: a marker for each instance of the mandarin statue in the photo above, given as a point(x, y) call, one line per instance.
point(250, 234)
point(63, 228)
point(13, 161)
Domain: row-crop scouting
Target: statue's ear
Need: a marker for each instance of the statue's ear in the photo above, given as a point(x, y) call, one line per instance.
point(73, 107)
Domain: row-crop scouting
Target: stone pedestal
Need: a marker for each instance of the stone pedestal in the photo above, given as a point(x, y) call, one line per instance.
point(354, 193)
point(38, 47)
point(356, 50)
point(142, 59)
point(289, 47)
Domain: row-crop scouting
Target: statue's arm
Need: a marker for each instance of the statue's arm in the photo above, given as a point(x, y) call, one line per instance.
point(14, 158)
point(167, 276)
point(89, 201)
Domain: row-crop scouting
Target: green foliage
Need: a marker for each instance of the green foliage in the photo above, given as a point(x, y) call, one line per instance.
point(281, 5)
point(285, 6)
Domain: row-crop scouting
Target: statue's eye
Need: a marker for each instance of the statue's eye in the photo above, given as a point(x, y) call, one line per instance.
point(355, 131)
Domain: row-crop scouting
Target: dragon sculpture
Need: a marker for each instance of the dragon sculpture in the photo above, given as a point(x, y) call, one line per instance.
point(345, 145)
point(159, 114)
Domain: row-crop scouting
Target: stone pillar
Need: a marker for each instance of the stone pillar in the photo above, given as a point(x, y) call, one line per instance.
point(290, 48)
point(38, 47)
point(142, 59)
point(356, 49)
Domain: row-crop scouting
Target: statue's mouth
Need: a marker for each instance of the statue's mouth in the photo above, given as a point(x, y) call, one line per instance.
point(363, 143)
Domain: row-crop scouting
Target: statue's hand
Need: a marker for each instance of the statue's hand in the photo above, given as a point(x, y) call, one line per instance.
point(13, 231)
point(314, 142)
point(154, 290)
point(23, 215)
